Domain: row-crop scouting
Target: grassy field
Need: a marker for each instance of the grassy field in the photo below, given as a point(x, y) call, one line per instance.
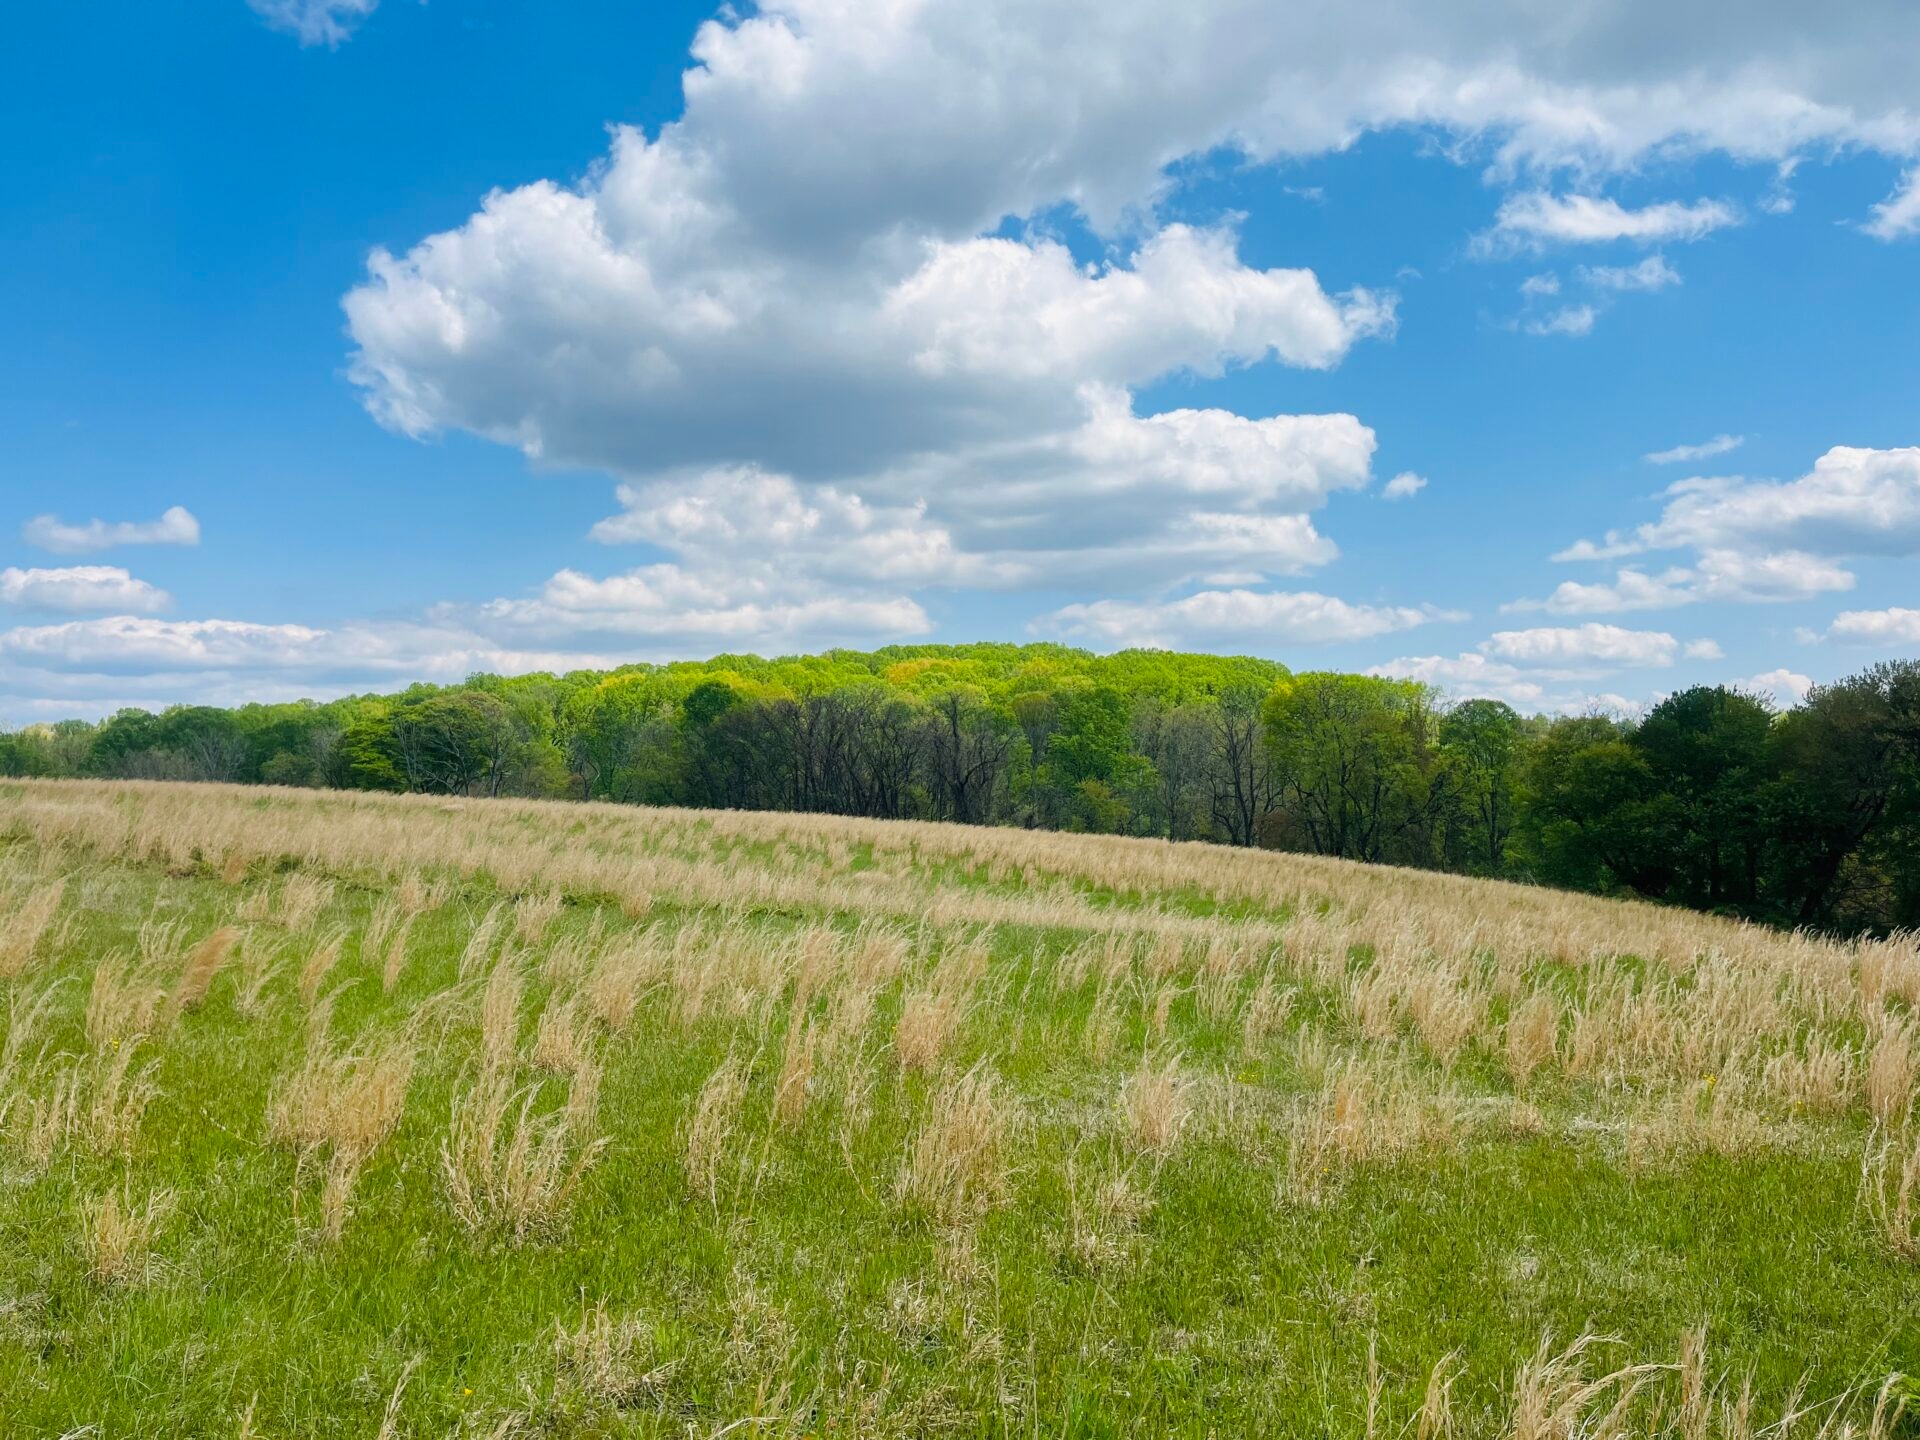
point(366, 1116)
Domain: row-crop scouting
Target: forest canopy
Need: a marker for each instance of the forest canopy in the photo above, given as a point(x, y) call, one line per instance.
point(1711, 800)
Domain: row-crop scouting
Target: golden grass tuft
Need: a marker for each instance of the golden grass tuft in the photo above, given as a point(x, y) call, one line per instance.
point(123, 1003)
point(500, 1013)
point(24, 923)
point(1891, 1069)
point(533, 914)
point(478, 951)
point(609, 1361)
point(117, 1237)
point(793, 1090)
point(1532, 1036)
point(711, 1125)
point(1820, 1076)
point(394, 965)
point(509, 1167)
point(203, 963)
point(1714, 1115)
point(1156, 1102)
point(1446, 1013)
point(928, 1022)
point(1890, 1191)
point(957, 1167)
point(302, 898)
point(1363, 1113)
point(345, 1104)
point(349, 1100)
point(97, 1104)
point(563, 1039)
point(321, 959)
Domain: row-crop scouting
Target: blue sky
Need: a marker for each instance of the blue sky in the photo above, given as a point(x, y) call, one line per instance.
point(361, 342)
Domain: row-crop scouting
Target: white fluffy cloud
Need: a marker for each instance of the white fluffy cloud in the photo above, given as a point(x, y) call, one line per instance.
point(176, 526)
point(821, 273)
point(95, 666)
point(1537, 218)
point(1893, 626)
point(1784, 687)
point(1580, 646)
point(1238, 616)
point(1854, 501)
point(1469, 675)
point(1718, 575)
point(1404, 486)
point(79, 587)
point(314, 22)
point(1757, 540)
point(1024, 310)
point(1551, 669)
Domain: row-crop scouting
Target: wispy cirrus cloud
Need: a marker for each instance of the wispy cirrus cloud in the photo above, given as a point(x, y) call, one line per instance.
point(1536, 218)
point(1898, 216)
point(1705, 450)
point(315, 22)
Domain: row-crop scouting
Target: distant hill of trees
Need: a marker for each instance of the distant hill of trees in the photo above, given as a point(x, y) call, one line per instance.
point(1811, 817)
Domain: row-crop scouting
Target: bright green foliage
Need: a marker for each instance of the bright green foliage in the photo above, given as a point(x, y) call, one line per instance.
point(1713, 801)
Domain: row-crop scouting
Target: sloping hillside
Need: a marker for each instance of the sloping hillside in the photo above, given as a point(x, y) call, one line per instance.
point(363, 1115)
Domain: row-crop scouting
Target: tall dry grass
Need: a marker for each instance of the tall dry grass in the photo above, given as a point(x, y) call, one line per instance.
point(511, 1167)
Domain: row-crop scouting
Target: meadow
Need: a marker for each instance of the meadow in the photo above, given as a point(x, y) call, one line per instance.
point(338, 1114)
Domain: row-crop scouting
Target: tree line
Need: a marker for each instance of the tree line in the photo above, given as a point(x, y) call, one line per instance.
point(1712, 800)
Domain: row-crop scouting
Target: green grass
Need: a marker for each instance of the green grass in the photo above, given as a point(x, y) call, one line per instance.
point(810, 1299)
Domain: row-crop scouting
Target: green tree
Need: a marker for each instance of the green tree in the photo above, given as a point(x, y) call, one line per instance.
point(1483, 740)
point(1359, 769)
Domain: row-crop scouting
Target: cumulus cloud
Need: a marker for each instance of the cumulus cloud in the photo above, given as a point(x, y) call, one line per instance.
point(1783, 687)
point(1893, 626)
point(1537, 218)
point(79, 587)
point(1404, 486)
point(1583, 645)
point(841, 267)
point(750, 286)
point(1758, 540)
point(1024, 309)
point(314, 22)
point(1472, 676)
point(1242, 616)
point(176, 526)
point(1718, 575)
point(1687, 454)
point(668, 603)
point(1855, 501)
point(96, 666)
point(1551, 669)
point(1469, 675)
